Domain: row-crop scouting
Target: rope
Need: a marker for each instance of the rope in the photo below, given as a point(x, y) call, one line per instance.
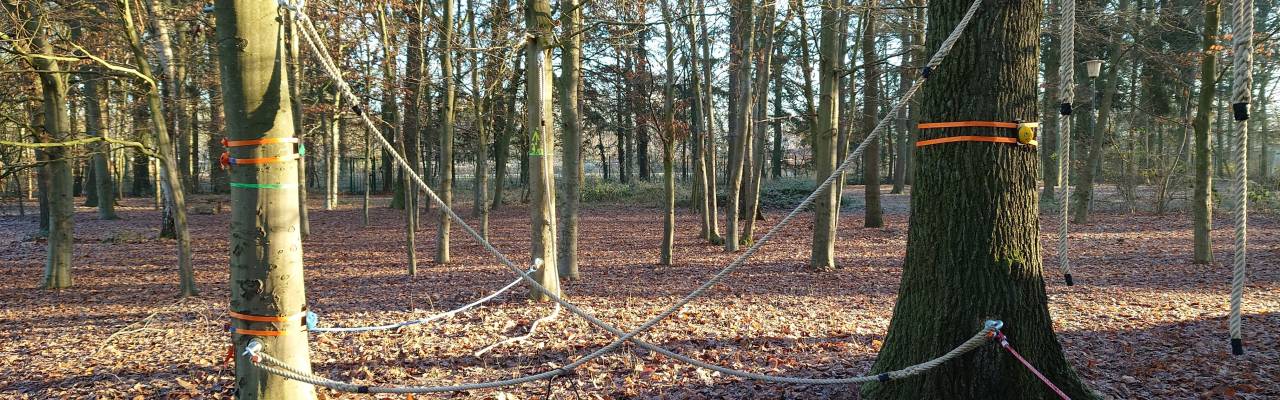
point(1066, 95)
point(317, 46)
point(1242, 43)
point(443, 315)
point(1004, 344)
point(532, 327)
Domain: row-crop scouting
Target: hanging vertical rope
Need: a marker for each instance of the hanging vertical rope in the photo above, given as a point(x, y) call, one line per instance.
point(1066, 94)
point(1242, 47)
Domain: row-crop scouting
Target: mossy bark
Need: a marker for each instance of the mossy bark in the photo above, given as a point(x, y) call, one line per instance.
point(826, 206)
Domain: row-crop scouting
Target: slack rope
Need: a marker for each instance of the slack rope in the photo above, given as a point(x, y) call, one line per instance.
point(1066, 95)
point(1242, 63)
point(265, 362)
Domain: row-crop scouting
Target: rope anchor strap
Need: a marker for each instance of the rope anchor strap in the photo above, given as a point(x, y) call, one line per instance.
point(264, 319)
point(1026, 132)
point(257, 142)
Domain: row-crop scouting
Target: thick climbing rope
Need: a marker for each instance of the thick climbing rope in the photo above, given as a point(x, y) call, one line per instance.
point(439, 316)
point(1242, 47)
point(1066, 95)
point(264, 361)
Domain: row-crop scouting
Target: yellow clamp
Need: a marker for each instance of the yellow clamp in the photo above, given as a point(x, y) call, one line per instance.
point(1027, 133)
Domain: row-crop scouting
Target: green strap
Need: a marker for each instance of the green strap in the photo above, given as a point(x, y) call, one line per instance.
point(264, 185)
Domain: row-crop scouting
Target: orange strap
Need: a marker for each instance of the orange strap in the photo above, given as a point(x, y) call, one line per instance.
point(255, 142)
point(968, 124)
point(263, 160)
point(254, 332)
point(261, 318)
point(949, 139)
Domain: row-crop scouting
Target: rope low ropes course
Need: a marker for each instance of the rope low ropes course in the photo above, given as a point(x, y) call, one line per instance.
point(259, 358)
point(1242, 62)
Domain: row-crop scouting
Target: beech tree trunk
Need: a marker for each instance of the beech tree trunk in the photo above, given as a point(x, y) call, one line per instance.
point(826, 206)
point(740, 53)
point(266, 245)
point(973, 248)
point(874, 216)
point(570, 78)
point(446, 135)
point(542, 192)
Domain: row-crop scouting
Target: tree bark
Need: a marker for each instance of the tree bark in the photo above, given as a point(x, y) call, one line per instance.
point(541, 147)
point(266, 245)
point(825, 207)
point(874, 215)
point(170, 182)
point(740, 53)
point(973, 248)
point(569, 85)
point(446, 135)
point(1202, 204)
point(102, 180)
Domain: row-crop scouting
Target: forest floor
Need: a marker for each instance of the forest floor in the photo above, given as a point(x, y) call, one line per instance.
point(1141, 322)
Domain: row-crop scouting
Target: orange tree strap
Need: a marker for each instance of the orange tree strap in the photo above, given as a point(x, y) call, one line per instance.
point(968, 124)
point(262, 318)
point(949, 139)
point(255, 142)
point(263, 160)
point(254, 332)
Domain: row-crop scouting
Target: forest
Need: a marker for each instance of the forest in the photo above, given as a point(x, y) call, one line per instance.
point(882, 199)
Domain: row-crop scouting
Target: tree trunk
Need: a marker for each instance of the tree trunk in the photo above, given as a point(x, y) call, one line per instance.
point(541, 147)
point(825, 207)
point(52, 125)
point(570, 77)
point(103, 183)
point(482, 103)
point(740, 54)
point(295, 81)
point(1202, 204)
point(709, 148)
point(702, 175)
point(973, 248)
point(874, 215)
point(169, 180)
point(502, 144)
point(668, 143)
point(1050, 112)
point(446, 135)
point(266, 245)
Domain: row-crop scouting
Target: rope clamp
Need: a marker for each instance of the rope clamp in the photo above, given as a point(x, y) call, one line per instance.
point(253, 348)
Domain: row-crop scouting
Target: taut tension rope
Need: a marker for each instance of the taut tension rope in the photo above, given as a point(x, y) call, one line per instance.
point(1004, 344)
point(1066, 95)
point(1242, 62)
point(269, 364)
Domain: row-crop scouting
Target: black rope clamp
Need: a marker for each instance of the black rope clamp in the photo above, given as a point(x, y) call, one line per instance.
point(883, 377)
point(926, 72)
point(356, 109)
point(1067, 277)
point(1065, 109)
point(1237, 347)
point(1241, 111)
point(362, 389)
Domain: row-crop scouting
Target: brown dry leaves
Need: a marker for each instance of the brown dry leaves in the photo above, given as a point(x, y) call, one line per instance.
point(1141, 323)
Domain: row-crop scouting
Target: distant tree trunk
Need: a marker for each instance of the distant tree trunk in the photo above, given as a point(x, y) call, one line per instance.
point(295, 82)
point(906, 77)
point(502, 144)
point(709, 147)
point(702, 175)
point(668, 143)
point(1263, 127)
point(52, 125)
point(217, 176)
point(103, 183)
point(482, 105)
point(973, 248)
point(446, 135)
point(1202, 204)
point(541, 146)
point(759, 128)
point(570, 77)
point(741, 25)
point(334, 152)
point(870, 113)
point(266, 245)
point(1050, 112)
point(1089, 171)
point(822, 255)
point(169, 180)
